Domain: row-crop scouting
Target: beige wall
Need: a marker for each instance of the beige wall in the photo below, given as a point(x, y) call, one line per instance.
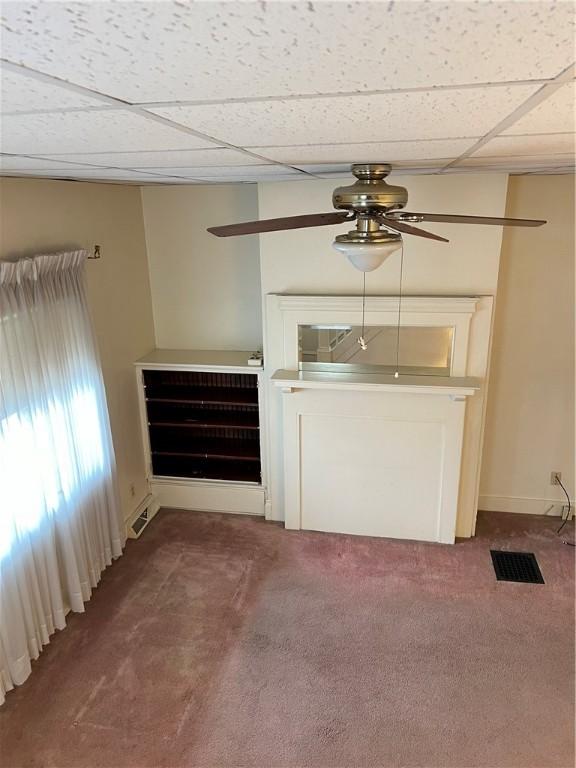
point(205, 290)
point(39, 216)
point(530, 424)
point(206, 293)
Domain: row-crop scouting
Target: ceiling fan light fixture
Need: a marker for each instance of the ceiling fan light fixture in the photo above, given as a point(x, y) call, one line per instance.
point(368, 252)
point(367, 257)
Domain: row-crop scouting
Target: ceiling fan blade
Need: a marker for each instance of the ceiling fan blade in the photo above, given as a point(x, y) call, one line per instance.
point(400, 226)
point(455, 219)
point(287, 222)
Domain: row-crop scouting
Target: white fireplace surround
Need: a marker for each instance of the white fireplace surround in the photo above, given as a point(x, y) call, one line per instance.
point(471, 319)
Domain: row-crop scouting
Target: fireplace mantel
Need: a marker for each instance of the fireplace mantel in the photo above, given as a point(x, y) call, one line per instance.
point(373, 455)
point(453, 386)
point(368, 453)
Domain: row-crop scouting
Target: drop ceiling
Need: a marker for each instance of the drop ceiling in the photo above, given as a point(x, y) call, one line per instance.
point(231, 92)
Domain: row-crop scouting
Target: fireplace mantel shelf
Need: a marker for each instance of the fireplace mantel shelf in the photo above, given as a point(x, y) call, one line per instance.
point(455, 387)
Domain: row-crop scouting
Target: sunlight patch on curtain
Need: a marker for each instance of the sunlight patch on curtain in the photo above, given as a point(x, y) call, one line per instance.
point(65, 445)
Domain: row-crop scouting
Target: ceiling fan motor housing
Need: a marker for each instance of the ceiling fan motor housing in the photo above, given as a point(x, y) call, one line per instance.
point(370, 193)
point(369, 197)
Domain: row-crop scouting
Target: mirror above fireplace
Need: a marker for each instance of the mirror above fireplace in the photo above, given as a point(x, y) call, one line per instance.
point(422, 350)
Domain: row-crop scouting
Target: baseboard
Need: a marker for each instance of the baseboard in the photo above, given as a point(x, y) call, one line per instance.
point(146, 510)
point(209, 496)
point(522, 505)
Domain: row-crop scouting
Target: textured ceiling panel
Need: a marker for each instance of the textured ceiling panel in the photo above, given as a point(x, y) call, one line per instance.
point(327, 169)
point(515, 170)
point(20, 93)
point(255, 179)
point(163, 159)
point(543, 144)
point(16, 163)
point(172, 50)
point(83, 173)
point(237, 172)
point(551, 171)
point(366, 153)
point(555, 115)
point(90, 132)
point(416, 170)
point(325, 120)
point(512, 162)
point(295, 83)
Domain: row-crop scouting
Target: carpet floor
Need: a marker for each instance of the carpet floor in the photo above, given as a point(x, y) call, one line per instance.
point(220, 641)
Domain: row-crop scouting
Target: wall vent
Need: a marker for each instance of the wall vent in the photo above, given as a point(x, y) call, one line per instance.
point(142, 516)
point(141, 521)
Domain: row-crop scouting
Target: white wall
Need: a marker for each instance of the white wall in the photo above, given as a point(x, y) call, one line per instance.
point(205, 289)
point(303, 261)
point(530, 422)
point(40, 216)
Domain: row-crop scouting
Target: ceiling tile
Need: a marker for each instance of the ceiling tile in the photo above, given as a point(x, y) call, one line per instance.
point(255, 179)
point(323, 120)
point(183, 158)
point(223, 174)
point(328, 169)
point(344, 169)
point(83, 173)
point(90, 132)
point(121, 173)
point(553, 115)
point(366, 153)
point(552, 171)
point(21, 93)
point(538, 144)
point(151, 51)
point(234, 172)
point(16, 163)
point(416, 170)
point(168, 180)
point(522, 161)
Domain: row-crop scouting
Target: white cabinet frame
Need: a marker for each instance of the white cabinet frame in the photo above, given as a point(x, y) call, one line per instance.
point(203, 494)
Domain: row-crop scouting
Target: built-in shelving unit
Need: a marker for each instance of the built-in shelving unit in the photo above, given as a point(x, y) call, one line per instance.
point(201, 424)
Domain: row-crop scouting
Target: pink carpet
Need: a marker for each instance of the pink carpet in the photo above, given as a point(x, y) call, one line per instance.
point(222, 641)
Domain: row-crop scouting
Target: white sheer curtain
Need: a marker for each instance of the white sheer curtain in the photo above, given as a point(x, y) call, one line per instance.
point(59, 513)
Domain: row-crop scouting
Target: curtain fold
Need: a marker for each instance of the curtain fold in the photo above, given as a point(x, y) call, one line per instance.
point(60, 522)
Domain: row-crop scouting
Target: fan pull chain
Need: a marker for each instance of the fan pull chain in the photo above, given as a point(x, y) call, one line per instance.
point(396, 373)
point(361, 339)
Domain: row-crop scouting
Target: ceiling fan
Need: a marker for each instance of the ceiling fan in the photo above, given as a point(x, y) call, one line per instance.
point(376, 207)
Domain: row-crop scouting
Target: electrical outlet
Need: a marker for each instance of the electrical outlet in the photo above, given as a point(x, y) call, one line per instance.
point(555, 477)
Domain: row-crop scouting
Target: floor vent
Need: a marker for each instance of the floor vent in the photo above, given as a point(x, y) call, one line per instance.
point(516, 566)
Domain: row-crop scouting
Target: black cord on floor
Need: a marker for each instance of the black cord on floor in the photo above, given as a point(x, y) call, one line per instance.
point(565, 520)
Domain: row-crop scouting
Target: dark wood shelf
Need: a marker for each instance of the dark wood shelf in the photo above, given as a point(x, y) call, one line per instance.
point(208, 455)
point(191, 424)
point(203, 424)
point(200, 469)
point(212, 400)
